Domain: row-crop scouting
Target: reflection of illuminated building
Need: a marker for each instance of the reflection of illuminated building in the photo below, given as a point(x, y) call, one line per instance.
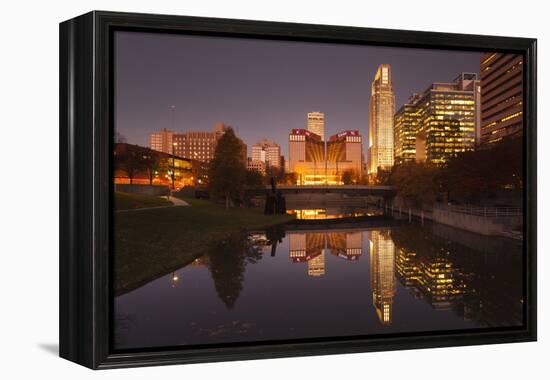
point(310, 247)
point(382, 266)
point(441, 281)
point(406, 265)
point(346, 245)
point(308, 160)
point(434, 277)
point(381, 111)
point(316, 265)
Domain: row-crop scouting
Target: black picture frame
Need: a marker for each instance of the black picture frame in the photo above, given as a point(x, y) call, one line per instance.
point(86, 131)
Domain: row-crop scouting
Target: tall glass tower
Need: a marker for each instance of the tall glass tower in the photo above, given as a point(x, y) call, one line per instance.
point(381, 111)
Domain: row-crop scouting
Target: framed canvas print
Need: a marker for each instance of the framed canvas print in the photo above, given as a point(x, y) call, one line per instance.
point(236, 189)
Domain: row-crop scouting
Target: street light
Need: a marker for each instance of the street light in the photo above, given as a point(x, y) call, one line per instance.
point(173, 164)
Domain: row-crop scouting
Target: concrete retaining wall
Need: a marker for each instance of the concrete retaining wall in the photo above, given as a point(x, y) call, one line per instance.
point(473, 223)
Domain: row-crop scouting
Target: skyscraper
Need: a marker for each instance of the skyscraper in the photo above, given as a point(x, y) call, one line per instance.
point(447, 117)
point(406, 125)
point(267, 152)
point(162, 141)
point(381, 111)
point(316, 124)
point(501, 96)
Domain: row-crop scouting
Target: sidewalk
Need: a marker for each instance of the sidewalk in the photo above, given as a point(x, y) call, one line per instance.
point(176, 201)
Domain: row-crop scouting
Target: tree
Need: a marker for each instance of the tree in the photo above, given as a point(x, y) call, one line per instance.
point(417, 183)
point(274, 172)
point(480, 174)
point(152, 163)
point(254, 179)
point(290, 178)
point(130, 160)
point(347, 177)
point(119, 138)
point(227, 171)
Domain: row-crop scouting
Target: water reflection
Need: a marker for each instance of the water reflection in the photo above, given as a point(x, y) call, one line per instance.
point(333, 212)
point(382, 266)
point(272, 284)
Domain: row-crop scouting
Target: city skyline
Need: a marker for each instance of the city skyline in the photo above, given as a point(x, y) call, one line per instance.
point(265, 88)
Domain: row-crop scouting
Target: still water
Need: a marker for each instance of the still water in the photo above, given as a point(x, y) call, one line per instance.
point(296, 283)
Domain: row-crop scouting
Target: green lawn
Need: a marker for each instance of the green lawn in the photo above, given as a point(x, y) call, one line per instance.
point(152, 243)
point(129, 201)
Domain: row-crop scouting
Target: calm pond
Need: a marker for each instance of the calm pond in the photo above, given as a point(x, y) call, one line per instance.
point(312, 281)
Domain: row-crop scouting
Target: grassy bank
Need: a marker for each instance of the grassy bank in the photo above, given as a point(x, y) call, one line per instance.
point(129, 201)
point(152, 243)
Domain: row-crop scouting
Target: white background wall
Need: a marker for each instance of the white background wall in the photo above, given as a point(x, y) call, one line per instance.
point(29, 202)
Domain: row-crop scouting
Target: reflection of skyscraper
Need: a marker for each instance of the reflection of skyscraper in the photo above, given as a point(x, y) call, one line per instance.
point(316, 265)
point(381, 111)
point(382, 267)
point(316, 123)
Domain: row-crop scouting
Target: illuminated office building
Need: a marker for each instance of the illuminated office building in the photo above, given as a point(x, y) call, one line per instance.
point(312, 166)
point(406, 125)
point(501, 96)
point(258, 166)
point(449, 116)
point(306, 156)
point(381, 111)
point(344, 154)
point(196, 145)
point(161, 141)
point(267, 152)
point(382, 275)
point(316, 124)
point(199, 145)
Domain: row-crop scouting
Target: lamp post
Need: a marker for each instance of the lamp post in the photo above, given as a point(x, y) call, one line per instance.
point(173, 164)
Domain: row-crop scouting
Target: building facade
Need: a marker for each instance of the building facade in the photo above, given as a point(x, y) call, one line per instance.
point(406, 126)
point(316, 124)
point(344, 154)
point(267, 152)
point(258, 166)
point(317, 162)
point(162, 141)
point(138, 165)
point(196, 145)
point(448, 119)
point(501, 96)
point(381, 112)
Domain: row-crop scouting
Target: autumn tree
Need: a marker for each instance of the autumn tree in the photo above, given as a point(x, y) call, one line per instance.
point(417, 183)
point(227, 171)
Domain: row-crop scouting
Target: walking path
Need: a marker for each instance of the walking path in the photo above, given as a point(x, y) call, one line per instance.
point(176, 202)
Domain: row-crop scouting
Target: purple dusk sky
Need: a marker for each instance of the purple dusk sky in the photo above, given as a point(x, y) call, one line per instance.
point(262, 88)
